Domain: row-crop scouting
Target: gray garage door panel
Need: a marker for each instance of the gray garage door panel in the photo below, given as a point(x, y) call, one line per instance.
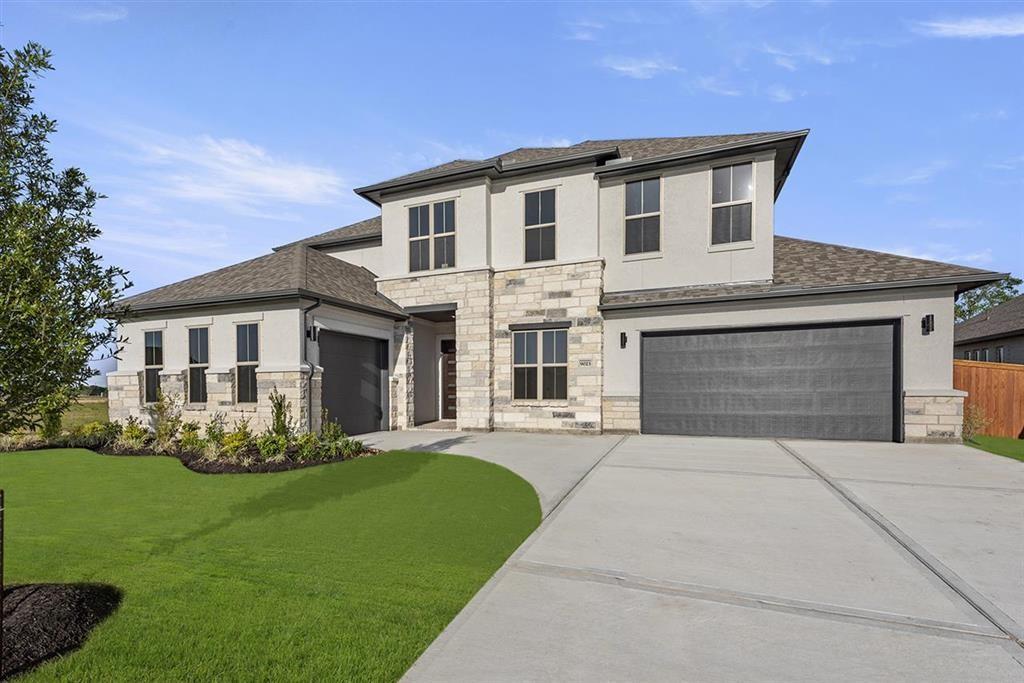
point(813, 382)
point(351, 390)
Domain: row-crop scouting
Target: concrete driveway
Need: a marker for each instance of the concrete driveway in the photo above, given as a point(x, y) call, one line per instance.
point(677, 558)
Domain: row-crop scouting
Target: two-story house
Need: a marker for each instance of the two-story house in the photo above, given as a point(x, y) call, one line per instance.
point(613, 285)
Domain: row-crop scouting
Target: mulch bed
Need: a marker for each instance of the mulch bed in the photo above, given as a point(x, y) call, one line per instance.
point(197, 463)
point(44, 620)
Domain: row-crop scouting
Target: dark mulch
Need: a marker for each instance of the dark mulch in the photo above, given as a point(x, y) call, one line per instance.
point(197, 463)
point(44, 620)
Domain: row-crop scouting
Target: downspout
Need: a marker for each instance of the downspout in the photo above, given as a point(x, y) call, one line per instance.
point(305, 360)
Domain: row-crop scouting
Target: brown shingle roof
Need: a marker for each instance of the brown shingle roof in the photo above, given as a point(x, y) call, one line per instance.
point(369, 227)
point(637, 148)
point(802, 266)
point(291, 271)
point(1006, 319)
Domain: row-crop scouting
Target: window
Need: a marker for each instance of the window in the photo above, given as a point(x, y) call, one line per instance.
point(732, 195)
point(999, 354)
point(643, 216)
point(154, 364)
point(198, 361)
point(443, 235)
point(984, 355)
point(540, 225)
point(544, 375)
point(248, 358)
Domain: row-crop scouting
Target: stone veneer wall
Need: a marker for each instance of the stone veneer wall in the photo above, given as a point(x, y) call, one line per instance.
point(621, 414)
point(471, 292)
point(542, 294)
point(125, 391)
point(933, 416)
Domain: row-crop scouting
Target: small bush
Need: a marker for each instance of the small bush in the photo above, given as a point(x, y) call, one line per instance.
point(237, 441)
point(281, 422)
point(308, 447)
point(49, 427)
point(189, 440)
point(271, 446)
point(975, 421)
point(352, 447)
point(133, 437)
point(92, 435)
point(166, 417)
point(215, 430)
point(20, 442)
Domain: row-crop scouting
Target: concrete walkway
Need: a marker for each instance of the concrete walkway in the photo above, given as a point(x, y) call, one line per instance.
point(678, 558)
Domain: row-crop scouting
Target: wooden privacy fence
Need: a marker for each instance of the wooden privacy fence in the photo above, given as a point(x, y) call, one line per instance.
point(998, 388)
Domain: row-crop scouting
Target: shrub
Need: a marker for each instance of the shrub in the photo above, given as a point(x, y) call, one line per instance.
point(308, 447)
point(975, 421)
point(237, 441)
point(133, 437)
point(352, 447)
point(20, 442)
point(215, 431)
point(272, 446)
point(93, 435)
point(189, 440)
point(166, 417)
point(50, 425)
point(281, 422)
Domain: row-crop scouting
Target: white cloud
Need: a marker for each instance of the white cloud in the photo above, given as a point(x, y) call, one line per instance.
point(713, 6)
point(791, 58)
point(909, 176)
point(1008, 26)
point(642, 69)
point(998, 114)
point(778, 93)
point(943, 252)
point(1010, 164)
point(953, 223)
point(715, 85)
point(102, 14)
point(234, 174)
point(583, 30)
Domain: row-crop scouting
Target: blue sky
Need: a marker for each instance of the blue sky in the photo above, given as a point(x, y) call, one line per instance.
point(219, 130)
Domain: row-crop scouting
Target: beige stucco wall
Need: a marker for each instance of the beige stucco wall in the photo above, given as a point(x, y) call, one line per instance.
point(372, 257)
point(687, 256)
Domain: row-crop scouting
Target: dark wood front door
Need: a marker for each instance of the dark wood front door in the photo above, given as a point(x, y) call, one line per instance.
point(448, 384)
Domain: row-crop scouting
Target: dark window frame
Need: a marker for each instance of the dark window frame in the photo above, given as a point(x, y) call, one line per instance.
point(435, 225)
point(246, 362)
point(642, 218)
point(541, 228)
point(152, 365)
point(549, 371)
point(732, 205)
point(198, 363)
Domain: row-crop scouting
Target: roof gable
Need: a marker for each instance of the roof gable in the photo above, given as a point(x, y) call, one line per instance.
point(1004, 320)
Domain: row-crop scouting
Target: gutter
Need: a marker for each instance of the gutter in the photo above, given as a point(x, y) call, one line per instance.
point(277, 295)
point(305, 360)
point(974, 281)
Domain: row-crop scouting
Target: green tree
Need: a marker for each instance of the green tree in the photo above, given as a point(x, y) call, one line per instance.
point(57, 299)
point(975, 301)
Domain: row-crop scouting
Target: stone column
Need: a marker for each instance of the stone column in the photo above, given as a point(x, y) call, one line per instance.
point(933, 415)
point(403, 379)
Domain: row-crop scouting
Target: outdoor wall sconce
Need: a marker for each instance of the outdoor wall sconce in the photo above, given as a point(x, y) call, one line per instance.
point(927, 324)
point(622, 340)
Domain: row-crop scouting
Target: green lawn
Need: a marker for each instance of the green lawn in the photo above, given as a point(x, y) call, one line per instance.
point(88, 409)
point(343, 571)
point(1000, 445)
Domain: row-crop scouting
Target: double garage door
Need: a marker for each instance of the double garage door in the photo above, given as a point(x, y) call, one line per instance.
point(811, 381)
point(353, 380)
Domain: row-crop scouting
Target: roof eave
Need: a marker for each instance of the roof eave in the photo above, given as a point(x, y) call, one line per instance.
point(972, 281)
point(256, 297)
point(335, 242)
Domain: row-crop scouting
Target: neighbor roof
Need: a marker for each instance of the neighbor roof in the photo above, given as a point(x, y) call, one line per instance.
point(295, 271)
point(806, 267)
point(1004, 320)
point(634, 152)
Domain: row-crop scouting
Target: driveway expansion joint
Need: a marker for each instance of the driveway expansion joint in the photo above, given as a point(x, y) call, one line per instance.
point(715, 594)
point(955, 582)
point(708, 470)
point(923, 484)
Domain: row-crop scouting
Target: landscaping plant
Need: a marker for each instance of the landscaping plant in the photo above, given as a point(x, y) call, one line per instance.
point(272, 447)
point(165, 415)
point(189, 440)
point(238, 441)
point(133, 438)
point(215, 430)
point(281, 421)
point(975, 421)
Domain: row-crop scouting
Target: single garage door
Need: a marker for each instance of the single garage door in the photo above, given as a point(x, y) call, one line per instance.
point(353, 380)
point(813, 381)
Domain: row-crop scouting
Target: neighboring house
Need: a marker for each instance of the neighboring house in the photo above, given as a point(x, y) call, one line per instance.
point(996, 335)
point(613, 285)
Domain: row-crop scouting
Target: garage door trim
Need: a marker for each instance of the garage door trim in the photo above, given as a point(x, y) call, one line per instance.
point(897, 353)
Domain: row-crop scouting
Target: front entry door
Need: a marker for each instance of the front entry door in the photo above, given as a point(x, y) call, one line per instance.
point(448, 384)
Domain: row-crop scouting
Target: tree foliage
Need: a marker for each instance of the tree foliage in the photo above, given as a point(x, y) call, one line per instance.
point(975, 301)
point(57, 299)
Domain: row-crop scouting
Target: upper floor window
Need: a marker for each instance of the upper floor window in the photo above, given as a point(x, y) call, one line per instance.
point(443, 229)
point(543, 375)
point(732, 196)
point(154, 364)
point(198, 361)
point(540, 225)
point(643, 216)
point(248, 357)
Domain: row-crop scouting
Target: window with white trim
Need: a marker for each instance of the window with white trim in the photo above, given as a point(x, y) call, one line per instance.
point(432, 223)
point(539, 223)
point(198, 362)
point(543, 375)
point(247, 358)
point(999, 354)
point(732, 203)
point(643, 216)
point(153, 365)
point(984, 355)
